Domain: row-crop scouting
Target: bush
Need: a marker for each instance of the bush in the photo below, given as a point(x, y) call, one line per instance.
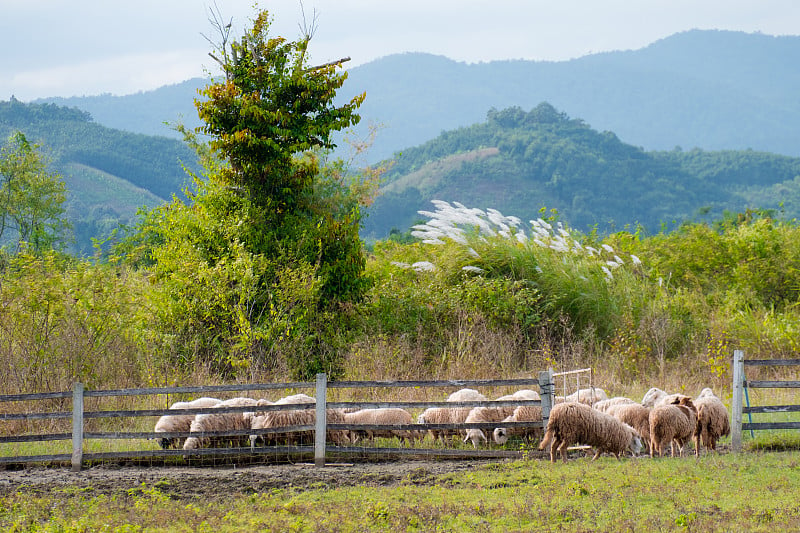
point(65, 320)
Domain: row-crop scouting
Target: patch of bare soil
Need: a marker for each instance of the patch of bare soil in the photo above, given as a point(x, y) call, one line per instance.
point(222, 482)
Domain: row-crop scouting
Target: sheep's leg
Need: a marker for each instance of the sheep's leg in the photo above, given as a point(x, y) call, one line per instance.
point(553, 450)
point(562, 447)
point(658, 446)
point(597, 454)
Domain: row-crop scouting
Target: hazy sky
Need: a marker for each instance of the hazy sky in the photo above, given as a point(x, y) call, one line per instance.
point(89, 47)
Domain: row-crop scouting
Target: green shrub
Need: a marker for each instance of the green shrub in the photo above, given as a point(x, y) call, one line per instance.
point(65, 320)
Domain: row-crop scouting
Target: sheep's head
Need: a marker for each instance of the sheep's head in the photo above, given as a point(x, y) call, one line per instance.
point(684, 401)
point(651, 397)
point(706, 393)
point(165, 443)
point(500, 435)
point(635, 444)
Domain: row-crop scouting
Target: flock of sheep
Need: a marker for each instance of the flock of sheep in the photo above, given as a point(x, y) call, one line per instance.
point(620, 424)
point(265, 424)
point(257, 424)
point(587, 417)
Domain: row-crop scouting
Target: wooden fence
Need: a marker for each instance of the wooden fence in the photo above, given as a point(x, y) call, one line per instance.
point(320, 450)
point(740, 395)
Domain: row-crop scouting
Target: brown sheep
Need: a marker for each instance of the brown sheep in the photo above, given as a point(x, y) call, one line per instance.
point(573, 423)
point(712, 421)
point(523, 413)
point(673, 423)
point(635, 415)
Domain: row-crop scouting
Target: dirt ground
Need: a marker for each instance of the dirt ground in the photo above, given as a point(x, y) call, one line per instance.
point(222, 481)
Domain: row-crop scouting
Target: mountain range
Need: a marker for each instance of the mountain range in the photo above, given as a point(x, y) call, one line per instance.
point(666, 110)
point(710, 89)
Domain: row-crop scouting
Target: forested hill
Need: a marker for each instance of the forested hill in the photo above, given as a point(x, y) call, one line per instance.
point(710, 89)
point(715, 90)
point(109, 173)
point(519, 162)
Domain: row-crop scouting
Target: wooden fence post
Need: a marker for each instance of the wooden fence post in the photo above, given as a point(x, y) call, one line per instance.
point(77, 427)
point(320, 428)
point(548, 388)
point(738, 386)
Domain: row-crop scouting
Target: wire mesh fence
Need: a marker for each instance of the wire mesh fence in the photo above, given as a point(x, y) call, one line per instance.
point(84, 427)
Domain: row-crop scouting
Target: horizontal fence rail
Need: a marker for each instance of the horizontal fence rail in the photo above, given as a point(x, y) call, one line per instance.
point(321, 428)
point(740, 387)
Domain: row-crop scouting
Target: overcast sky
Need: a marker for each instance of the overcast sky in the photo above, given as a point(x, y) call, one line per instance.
point(89, 47)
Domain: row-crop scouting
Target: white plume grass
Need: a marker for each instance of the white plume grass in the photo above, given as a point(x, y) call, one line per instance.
point(463, 225)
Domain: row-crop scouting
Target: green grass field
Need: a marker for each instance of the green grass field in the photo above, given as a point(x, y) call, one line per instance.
point(752, 491)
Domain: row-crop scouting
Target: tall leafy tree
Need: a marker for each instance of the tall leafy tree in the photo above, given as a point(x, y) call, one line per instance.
point(255, 267)
point(267, 115)
point(31, 198)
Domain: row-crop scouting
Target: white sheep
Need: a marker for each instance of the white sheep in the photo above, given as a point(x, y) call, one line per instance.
point(573, 423)
point(494, 414)
point(523, 413)
point(466, 395)
point(259, 417)
point(379, 417)
point(654, 396)
point(526, 394)
point(712, 420)
point(207, 422)
point(484, 414)
point(306, 416)
point(295, 399)
point(588, 396)
point(635, 415)
point(180, 423)
point(450, 415)
point(672, 423)
point(605, 405)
